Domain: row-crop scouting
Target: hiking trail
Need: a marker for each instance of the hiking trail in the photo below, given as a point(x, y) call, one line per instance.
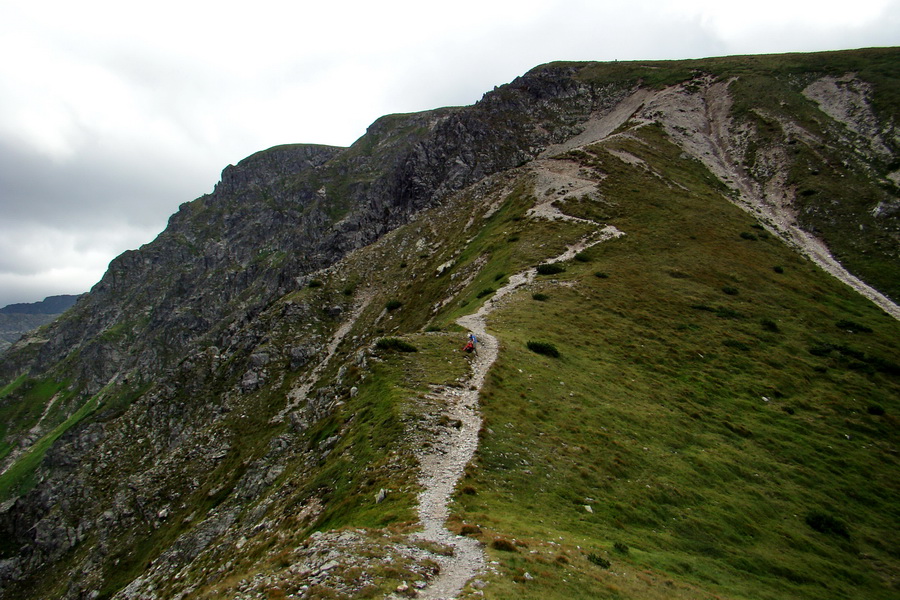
point(442, 465)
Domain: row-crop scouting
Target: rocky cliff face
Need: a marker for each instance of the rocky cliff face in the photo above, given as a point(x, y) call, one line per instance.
point(218, 397)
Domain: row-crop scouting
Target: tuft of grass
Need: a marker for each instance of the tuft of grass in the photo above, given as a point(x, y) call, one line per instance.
point(392, 305)
point(540, 297)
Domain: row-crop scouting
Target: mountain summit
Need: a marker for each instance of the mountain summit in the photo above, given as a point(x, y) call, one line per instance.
point(680, 278)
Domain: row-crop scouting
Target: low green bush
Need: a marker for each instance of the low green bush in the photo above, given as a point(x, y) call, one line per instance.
point(392, 343)
point(540, 297)
point(544, 348)
point(550, 269)
point(852, 326)
point(769, 325)
point(825, 523)
point(598, 560)
point(736, 344)
point(315, 283)
point(393, 305)
point(503, 544)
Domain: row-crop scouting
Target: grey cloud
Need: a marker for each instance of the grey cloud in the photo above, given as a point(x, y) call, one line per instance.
point(96, 186)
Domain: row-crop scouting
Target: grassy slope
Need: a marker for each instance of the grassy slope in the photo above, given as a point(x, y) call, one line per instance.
point(836, 198)
point(695, 423)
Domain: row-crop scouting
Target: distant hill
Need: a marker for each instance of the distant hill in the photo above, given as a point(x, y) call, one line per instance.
point(18, 319)
point(51, 305)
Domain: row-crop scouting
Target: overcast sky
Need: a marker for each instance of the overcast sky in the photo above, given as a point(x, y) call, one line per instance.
point(113, 113)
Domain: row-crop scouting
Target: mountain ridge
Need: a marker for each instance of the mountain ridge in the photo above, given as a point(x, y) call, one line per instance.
point(225, 387)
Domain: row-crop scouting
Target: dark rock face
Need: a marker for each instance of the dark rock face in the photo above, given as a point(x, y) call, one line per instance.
point(285, 212)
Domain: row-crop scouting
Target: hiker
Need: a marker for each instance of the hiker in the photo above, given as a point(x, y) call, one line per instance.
point(470, 344)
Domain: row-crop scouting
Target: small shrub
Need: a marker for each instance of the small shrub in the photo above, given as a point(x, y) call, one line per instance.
point(544, 348)
point(512, 238)
point(469, 490)
point(748, 236)
point(550, 269)
point(736, 344)
point(852, 327)
point(875, 409)
point(769, 325)
point(315, 283)
point(821, 349)
point(731, 291)
point(485, 292)
point(403, 265)
point(778, 269)
point(620, 548)
point(582, 257)
point(393, 305)
point(825, 523)
point(392, 343)
point(540, 297)
point(499, 276)
point(503, 544)
point(598, 560)
point(601, 275)
point(469, 530)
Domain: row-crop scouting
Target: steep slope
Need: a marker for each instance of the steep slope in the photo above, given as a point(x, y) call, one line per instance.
point(258, 403)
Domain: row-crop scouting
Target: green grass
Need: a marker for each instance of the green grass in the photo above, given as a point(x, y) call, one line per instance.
point(19, 478)
point(704, 458)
